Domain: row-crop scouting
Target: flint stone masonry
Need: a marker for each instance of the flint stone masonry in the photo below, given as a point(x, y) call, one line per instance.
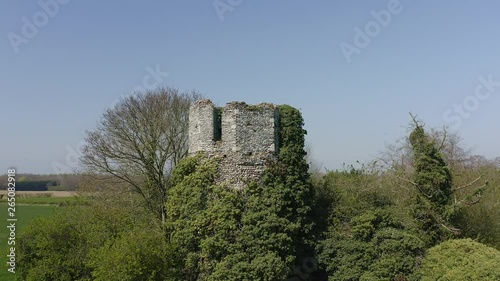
point(244, 138)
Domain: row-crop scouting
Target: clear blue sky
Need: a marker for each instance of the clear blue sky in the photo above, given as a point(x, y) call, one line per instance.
point(86, 54)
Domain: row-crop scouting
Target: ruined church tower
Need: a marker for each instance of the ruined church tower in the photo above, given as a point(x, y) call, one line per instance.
point(244, 137)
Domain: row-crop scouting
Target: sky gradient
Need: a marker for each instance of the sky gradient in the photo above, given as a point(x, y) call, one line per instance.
point(437, 59)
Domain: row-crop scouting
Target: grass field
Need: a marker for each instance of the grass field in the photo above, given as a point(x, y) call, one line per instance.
point(24, 213)
point(20, 194)
point(44, 200)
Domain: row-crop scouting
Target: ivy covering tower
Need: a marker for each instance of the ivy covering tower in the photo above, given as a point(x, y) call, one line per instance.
point(246, 228)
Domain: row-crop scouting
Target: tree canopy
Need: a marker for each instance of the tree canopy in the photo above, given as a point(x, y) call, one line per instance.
point(139, 141)
point(362, 222)
point(460, 260)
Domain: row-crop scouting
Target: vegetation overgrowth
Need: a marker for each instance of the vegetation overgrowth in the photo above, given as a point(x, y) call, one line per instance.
point(406, 216)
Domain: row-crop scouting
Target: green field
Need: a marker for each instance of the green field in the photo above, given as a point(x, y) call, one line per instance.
point(45, 200)
point(24, 213)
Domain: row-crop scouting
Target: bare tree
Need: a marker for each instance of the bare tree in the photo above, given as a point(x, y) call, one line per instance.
point(397, 160)
point(138, 142)
point(458, 156)
point(314, 165)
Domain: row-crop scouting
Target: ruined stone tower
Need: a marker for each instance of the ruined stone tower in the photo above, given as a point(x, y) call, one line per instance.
point(244, 137)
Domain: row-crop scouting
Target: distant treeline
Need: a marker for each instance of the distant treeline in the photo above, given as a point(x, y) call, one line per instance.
point(34, 185)
point(34, 182)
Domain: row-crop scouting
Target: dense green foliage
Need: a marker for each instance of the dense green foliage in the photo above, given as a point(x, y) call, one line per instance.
point(367, 238)
point(460, 260)
point(354, 224)
point(138, 254)
point(34, 185)
point(481, 221)
point(27, 213)
point(432, 175)
point(251, 234)
point(80, 241)
point(56, 248)
point(366, 205)
point(373, 247)
point(479, 218)
point(432, 178)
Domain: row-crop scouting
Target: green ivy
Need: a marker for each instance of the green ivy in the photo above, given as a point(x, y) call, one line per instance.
point(255, 233)
point(432, 207)
point(371, 246)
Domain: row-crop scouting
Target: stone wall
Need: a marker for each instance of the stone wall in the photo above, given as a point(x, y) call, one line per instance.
point(248, 138)
point(201, 126)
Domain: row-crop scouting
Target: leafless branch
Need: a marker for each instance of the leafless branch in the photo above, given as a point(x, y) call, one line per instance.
point(469, 184)
point(140, 140)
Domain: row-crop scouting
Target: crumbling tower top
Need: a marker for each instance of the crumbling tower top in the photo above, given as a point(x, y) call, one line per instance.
point(244, 136)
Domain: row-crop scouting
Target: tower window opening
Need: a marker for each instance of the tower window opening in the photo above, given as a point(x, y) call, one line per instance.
point(218, 124)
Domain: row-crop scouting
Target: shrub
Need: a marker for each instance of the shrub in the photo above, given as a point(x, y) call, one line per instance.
point(59, 247)
point(463, 259)
point(138, 254)
point(372, 246)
